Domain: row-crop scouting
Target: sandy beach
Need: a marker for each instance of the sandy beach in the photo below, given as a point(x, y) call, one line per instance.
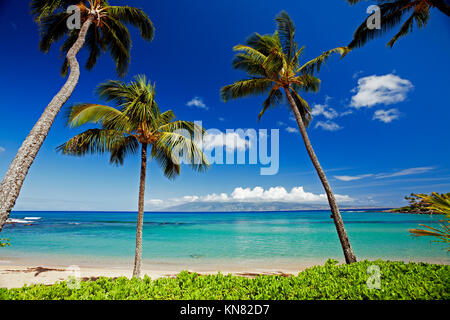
point(17, 273)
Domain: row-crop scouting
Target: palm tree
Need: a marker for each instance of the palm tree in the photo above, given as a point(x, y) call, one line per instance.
point(272, 62)
point(135, 121)
point(392, 13)
point(103, 29)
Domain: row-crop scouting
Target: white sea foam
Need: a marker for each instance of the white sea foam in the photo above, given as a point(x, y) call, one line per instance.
point(32, 218)
point(17, 221)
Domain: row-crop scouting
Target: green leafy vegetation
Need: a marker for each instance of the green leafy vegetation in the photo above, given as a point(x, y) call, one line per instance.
point(397, 281)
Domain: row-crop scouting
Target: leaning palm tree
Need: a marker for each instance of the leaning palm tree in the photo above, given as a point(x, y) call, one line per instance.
point(103, 29)
point(137, 121)
point(392, 12)
point(273, 64)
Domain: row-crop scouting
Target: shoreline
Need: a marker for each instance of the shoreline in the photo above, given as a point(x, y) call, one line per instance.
point(14, 275)
point(17, 272)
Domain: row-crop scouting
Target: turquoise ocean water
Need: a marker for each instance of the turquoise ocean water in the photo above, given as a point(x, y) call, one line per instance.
point(268, 237)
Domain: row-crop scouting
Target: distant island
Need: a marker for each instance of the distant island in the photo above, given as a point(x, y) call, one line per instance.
point(249, 206)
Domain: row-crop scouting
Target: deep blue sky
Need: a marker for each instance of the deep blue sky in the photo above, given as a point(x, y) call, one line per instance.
point(191, 57)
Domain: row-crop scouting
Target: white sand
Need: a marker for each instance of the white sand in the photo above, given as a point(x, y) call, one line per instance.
point(13, 275)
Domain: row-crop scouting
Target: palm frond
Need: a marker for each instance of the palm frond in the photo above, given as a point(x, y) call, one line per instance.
point(194, 129)
point(353, 2)
point(251, 52)
point(391, 15)
point(303, 108)
point(315, 64)
point(275, 63)
point(92, 141)
point(264, 44)
point(245, 88)
point(442, 5)
point(114, 91)
point(83, 113)
point(136, 17)
point(118, 40)
point(43, 8)
point(52, 29)
point(95, 45)
point(107, 33)
point(294, 64)
point(127, 146)
point(420, 16)
point(306, 83)
point(439, 203)
point(165, 118)
point(179, 146)
point(248, 64)
point(274, 98)
point(286, 33)
point(70, 41)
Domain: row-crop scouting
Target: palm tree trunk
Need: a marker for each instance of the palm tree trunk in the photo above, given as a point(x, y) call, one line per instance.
point(140, 219)
point(336, 215)
point(15, 176)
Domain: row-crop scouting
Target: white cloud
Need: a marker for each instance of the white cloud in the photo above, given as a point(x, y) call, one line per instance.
point(328, 125)
point(296, 194)
point(197, 102)
point(353, 178)
point(386, 116)
point(329, 114)
point(292, 130)
point(287, 127)
point(406, 172)
point(387, 89)
point(325, 110)
point(357, 73)
point(2, 149)
point(230, 141)
point(346, 113)
point(155, 202)
point(221, 119)
point(273, 194)
point(216, 197)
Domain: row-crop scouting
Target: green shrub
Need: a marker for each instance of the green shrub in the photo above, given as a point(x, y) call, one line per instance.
point(398, 281)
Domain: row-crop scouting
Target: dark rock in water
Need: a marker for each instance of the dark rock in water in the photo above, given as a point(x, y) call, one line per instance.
point(196, 256)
